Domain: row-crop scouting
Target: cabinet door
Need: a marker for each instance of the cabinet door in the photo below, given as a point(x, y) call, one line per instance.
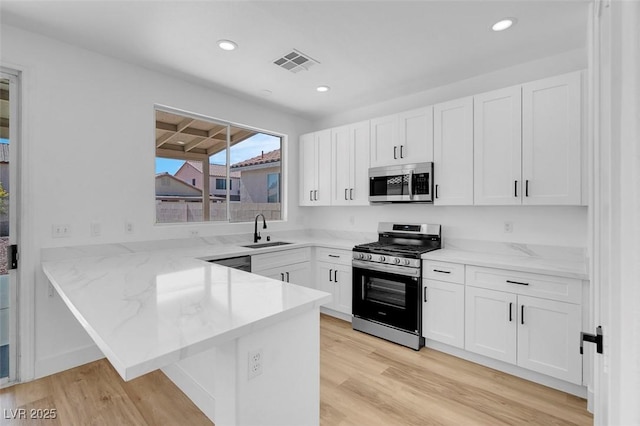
point(324, 282)
point(415, 137)
point(359, 155)
point(323, 168)
point(548, 338)
point(497, 147)
point(551, 140)
point(443, 312)
point(342, 280)
point(300, 274)
point(308, 161)
point(453, 152)
point(384, 141)
point(341, 147)
point(490, 323)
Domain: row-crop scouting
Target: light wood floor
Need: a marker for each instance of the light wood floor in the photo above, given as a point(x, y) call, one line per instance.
point(364, 381)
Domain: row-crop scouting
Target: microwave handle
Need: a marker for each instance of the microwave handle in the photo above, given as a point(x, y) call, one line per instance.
point(411, 185)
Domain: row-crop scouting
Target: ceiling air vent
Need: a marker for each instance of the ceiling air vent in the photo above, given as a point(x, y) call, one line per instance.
point(295, 61)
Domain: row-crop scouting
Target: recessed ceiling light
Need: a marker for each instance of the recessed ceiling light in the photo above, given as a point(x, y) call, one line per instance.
point(227, 45)
point(323, 88)
point(180, 142)
point(503, 24)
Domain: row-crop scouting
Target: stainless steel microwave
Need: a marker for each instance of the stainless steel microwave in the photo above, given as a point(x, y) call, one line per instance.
point(401, 184)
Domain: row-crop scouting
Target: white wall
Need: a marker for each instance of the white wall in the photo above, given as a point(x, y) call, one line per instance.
point(88, 156)
point(561, 226)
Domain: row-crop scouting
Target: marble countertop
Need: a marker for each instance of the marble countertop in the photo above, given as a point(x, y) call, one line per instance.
point(147, 310)
point(567, 262)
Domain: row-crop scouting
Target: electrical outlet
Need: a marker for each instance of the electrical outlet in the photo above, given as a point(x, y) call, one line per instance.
point(508, 227)
point(128, 227)
point(61, 231)
point(96, 229)
point(255, 363)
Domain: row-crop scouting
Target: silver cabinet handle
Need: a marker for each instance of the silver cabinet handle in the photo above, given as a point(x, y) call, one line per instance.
point(311, 195)
point(281, 276)
point(515, 189)
point(334, 255)
point(425, 294)
point(442, 272)
point(401, 154)
point(526, 188)
point(315, 195)
point(395, 152)
point(436, 191)
point(510, 311)
point(330, 271)
point(522, 314)
point(345, 194)
point(335, 275)
point(287, 276)
point(351, 194)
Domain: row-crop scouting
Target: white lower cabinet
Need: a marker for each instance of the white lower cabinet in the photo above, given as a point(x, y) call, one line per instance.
point(443, 312)
point(333, 275)
point(292, 266)
point(535, 333)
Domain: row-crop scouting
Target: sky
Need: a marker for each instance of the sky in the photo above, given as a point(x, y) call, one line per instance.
point(244, 150)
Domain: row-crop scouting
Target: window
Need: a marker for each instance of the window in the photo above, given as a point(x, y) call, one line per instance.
point(189, 147)
point(273, 188)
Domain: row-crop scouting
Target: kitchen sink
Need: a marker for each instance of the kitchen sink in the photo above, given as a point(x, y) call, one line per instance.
point(271, 244)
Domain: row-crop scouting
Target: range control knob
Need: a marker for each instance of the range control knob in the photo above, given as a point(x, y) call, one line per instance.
point(382, 258)
point(396, 260)
point(361, 255)
point(369, 257)
point(407, 261)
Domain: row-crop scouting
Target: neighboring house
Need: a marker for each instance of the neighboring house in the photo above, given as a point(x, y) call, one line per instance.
point(260, 178)
point(169, 188)
point(191, 173)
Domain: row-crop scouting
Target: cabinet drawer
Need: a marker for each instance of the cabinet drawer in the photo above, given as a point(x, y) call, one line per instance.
point(335, 256)
point(538, 285)
point(261, 262)
point(443, 271)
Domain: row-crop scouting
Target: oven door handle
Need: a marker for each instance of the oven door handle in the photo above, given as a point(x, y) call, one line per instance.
point(383, 267)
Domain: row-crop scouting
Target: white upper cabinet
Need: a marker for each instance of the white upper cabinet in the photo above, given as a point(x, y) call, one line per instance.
point(551, 140)
point(402, 138)
point(453, 152)
point(384, 140)
point(350, 161)
point(315, 163)
point(497, 147)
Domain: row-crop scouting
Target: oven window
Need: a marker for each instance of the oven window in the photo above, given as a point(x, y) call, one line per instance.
point(386, 292)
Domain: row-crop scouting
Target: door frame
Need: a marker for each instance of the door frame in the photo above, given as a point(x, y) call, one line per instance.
point(25, 282)
point(615, 209)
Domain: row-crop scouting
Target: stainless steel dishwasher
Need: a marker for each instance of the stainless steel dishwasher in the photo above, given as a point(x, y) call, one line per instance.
point(239, 262)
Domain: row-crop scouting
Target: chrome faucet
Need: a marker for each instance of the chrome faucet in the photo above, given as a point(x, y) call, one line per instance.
point(256, 234)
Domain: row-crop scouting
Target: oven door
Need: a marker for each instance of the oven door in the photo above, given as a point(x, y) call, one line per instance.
point(387, 296)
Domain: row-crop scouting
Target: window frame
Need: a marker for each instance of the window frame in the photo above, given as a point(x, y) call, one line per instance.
point(206, 199)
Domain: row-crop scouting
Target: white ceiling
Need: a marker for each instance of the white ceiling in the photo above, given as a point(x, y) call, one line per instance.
point(369, 51)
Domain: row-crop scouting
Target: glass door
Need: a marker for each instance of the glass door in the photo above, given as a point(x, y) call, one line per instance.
point(8, 210)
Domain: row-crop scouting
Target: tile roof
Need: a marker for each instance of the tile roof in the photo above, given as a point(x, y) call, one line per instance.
point(264, 158)
point(214, 169)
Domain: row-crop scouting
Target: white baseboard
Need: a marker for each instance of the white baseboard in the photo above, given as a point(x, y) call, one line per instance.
point(190, 387)
point(514, 370)
point(61, 362)
point(336, 314)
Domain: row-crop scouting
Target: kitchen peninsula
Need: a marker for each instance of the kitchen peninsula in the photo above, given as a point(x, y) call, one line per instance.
point(202, 323)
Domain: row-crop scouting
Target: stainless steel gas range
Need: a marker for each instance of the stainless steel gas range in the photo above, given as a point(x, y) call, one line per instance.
point(387, 282)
